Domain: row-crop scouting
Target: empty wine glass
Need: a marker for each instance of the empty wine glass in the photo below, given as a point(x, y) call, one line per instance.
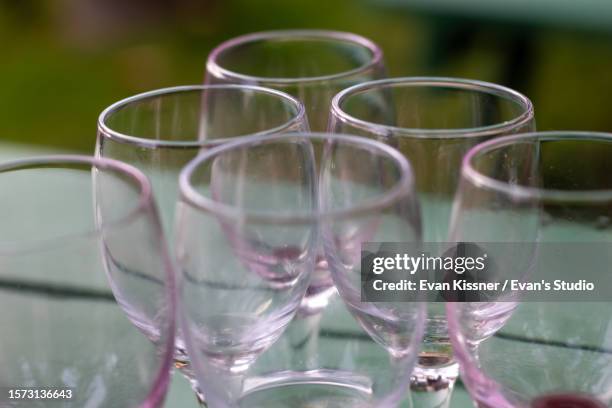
point(161, 131)
point(248, 235)
point(433, 122)
point(89, 336)
point(312, 65)
point(538, 348)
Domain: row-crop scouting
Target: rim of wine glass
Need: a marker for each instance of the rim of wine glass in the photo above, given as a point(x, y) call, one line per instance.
point(403, 187)
point(447, 82)
point(107, 131)
point(145, 198)
point(524, 192)
point(145, 204)
point(213, 66)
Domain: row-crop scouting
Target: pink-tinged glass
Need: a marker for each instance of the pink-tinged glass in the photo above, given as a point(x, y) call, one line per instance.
point(160, 131)
point(312, 65)
point(87, 292)
point(253, 219)
point(433, 121)
point(548, 188)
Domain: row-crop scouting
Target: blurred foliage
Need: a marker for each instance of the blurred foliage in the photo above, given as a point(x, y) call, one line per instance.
point(63, 61)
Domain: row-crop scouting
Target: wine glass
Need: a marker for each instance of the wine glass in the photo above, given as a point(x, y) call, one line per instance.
point(161, 131)
point(76, 334)
point(249, 224)
point(433, 122)
point(312, 65)
point(538, 348)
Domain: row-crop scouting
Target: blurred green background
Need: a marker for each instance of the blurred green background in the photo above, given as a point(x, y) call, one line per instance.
point(63, 61)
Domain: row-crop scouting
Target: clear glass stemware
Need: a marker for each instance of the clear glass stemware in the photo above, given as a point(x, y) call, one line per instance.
point(160, 131)
point(91, 335)
point(312, 65)
point(540, 348)
point(253, 216)
point(433, 121)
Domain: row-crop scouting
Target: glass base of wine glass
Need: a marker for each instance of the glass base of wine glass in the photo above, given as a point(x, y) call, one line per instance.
point(432, 381)
point(312, 389)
